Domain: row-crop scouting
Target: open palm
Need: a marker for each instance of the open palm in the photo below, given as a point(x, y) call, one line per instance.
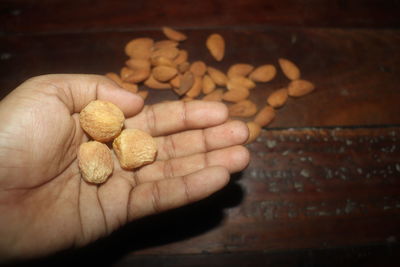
point(45, 206)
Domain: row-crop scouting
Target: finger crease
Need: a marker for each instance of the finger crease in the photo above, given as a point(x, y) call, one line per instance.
point(205, 142)
point(184, 115)
point(168, 169)
point(186, 188)
point(171, 148)
point(151, 120)
point(156, 197)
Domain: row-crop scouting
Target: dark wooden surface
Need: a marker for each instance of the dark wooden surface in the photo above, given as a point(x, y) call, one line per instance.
point(323, 185)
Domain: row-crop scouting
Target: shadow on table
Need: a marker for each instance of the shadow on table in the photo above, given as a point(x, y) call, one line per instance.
point(172, 226)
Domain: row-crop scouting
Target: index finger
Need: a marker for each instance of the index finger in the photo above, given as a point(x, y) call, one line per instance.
point(171, 117)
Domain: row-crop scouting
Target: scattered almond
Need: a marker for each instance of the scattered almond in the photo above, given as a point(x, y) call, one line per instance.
point(278, 98)
point(183, 67)
point(181, 57)
point(137, 63)
point(164, 73)
point(254, 131)
point(164, 44)
point(143, 94)
point(176, 81)
point(125, 73)
point(215, 95)
point(195, 90)
point(162, 61)
point(115, 77)
point(186, 82)
point(168, 52)
point(265, 116)
point(174, 34)
point(240, 81)
point(264, 73)
point(244, 108)
point(134, 148)
point(208, 84)
point(239, 69)
point(299, 88)
point(290, 69)
point(138, 75)
point(217, 76)
point(216, 45)
point(151, 82)
point(198, 68)
point(95, 162)
point(139, 48)
point(236, 95)
point(131, 87)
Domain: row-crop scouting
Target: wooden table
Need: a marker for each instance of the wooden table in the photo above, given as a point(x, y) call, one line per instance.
point(323, 185)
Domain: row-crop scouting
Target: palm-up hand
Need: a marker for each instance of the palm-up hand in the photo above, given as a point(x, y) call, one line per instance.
point(45, 206)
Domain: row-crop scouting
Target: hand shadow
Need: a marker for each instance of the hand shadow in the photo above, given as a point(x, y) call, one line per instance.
point(168, 227)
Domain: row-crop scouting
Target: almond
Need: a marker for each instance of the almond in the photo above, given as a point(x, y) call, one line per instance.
point(187, 81)
point(134, 148)
point(125, 73)
point(265, 116)
point(198, 68)
point(143, 94)
point(264, 73)
point(181, 57)
point(195, 90)
point(168, 52)
point(101, 120)
point(164, 44)
point(278, 98)
point(239, 69)
point(291, 71)
point(164, 73)
point(236, 95)
point(131, 87)
point(151, 82)
point(136, 63)
point(254, 131)
point(183, 67)
point(208, 84)
point(174, 34)
point(162, 61)
point(115, 77)
point(95, 162)
point(176, 81)
point(215, 95)
point(239, 82)
point(139, 48)
point(217, 76)
point(299, 88)
point(216, 45)
point(244, 108)
point(138, 75)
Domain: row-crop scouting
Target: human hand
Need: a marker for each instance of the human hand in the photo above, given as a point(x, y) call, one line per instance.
point(45, 206)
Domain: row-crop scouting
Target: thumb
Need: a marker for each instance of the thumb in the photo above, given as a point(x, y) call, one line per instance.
point(77, 90)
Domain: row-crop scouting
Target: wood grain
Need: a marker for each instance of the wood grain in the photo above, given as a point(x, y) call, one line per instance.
point(355, 71)
point(84, 15)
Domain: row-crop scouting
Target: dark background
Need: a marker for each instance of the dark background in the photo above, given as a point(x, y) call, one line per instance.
point(323, 186)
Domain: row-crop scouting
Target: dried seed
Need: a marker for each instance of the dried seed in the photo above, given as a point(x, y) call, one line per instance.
point(101, 120)
point(254, 131)
point(300, 88)
point(134, 148)
point(278, 98)
point(95, 162)
point(183, 67)
point(217, 76)
point(136, 63)
point(162, 61)
point(195, 90)
point(244, 108)
point(168, 52)
point(290, 69)
point(208, 84)
point(143, 94)
point(264, 73)
point(125, 73)
point(239, 69)
point(164, 44)
point(265, 116)
point(187, 81)
point(181, 57)
point(176, 81)
point(139, 48)
point(239, 82)
point(216, 45)
point(215, 95)
point(236, 95)
point(198, 68)
point(164, 73)
point(151, 82)
point(138, 75)
point(174, 34)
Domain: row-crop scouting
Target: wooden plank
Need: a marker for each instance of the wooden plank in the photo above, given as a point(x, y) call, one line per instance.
point(54, 16)
point(355, 71)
